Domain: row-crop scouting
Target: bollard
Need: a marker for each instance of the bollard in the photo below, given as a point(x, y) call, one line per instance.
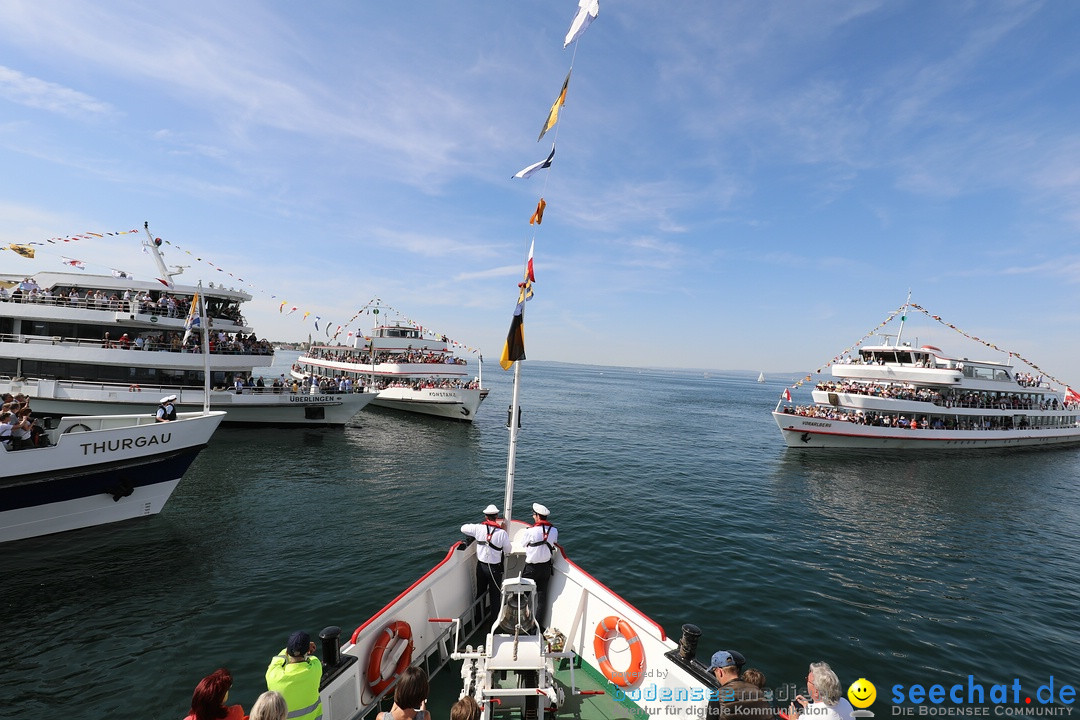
point(331, 645)
point(689, 641)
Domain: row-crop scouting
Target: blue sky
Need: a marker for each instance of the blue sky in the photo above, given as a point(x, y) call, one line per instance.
point(737, 185)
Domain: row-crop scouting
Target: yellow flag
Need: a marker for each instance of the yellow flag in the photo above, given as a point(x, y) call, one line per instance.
point(25, 250)
point(553, 114)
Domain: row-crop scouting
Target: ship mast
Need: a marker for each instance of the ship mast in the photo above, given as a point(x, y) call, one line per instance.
point(513, 421)
point(151, 245)
point(903, 317)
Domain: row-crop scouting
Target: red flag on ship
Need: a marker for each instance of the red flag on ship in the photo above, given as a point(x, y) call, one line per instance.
point(787, 394)
point(1071, 396)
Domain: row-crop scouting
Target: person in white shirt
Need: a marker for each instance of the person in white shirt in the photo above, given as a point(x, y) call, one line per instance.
point(826, 701)
point(491, 541)
point(539, 543)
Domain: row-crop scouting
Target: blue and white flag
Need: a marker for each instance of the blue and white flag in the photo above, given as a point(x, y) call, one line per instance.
point(527, 172)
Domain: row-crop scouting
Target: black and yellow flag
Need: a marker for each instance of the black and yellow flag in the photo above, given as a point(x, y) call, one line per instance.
point(514, 349)
point(553, 114)
point(25, 250)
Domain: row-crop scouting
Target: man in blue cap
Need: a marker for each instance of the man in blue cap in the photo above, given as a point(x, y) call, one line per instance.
point(295, 672)
point(735, 697)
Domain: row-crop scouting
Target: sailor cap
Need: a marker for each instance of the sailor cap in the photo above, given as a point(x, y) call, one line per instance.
point(491, 510)
point(541, 509)
point(167, 398)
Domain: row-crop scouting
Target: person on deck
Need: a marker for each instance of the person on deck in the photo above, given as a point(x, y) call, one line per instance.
point(166, 412)
point(735, 697)
point(826, 701)
point(410, 697)
point(211, 694)
point(491, 540)
point(540, 542)
point(295, 672)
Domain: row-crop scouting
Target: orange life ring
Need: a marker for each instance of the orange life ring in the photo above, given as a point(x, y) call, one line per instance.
point(134, 388)
point(622, 678)
point(399, 629)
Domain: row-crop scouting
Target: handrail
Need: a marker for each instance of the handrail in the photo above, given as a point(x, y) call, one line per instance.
point(126, 306)
point(113, 344)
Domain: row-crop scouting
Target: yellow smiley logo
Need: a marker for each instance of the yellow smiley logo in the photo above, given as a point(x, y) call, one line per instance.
point(862, 693)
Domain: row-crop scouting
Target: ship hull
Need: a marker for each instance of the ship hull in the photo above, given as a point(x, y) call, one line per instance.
point(813, 432)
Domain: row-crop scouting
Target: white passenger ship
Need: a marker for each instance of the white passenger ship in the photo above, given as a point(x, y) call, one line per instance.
point(83, 344)
point(409, 370)
point(894, 395)
point(96, 470)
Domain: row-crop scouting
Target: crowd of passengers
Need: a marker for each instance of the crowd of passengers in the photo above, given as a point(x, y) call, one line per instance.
point(145, 303)
point(313, 385)
point(171, 340)
point(920, 422)
point(414, 384)
point(424, 384)
point(949, 398)
point(409, 355)
point(19, 429)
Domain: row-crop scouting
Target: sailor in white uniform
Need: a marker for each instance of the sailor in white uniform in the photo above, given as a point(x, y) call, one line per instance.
point(539, 543)
point(491, 541)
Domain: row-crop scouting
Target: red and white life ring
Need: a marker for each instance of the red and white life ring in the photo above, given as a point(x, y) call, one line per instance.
point(397, 630)
point(616, 625)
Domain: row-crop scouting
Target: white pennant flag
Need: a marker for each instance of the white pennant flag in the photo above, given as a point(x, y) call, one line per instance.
point(587, 11)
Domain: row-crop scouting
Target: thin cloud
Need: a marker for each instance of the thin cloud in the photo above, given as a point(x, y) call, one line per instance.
point(43, 95)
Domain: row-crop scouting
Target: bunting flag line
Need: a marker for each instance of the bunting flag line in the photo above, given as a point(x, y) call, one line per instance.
point(586, 13)
point(538, 216)
point(532, 169)
point(371, 307)
point(915, 306)
point(514, 347)
point(553, 114)
point(990, 345)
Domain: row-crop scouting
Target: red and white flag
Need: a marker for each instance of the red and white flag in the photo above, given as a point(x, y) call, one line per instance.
point(787, 394)
point(1071, 396)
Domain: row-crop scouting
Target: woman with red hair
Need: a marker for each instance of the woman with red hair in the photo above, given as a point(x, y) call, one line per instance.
point(211, 694)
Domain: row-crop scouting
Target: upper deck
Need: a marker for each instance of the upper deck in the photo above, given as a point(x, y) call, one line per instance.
point(927, 366)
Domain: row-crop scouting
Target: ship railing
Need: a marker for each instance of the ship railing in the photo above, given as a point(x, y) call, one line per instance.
point(158, 388)
point(131, 307)
point(113, 344)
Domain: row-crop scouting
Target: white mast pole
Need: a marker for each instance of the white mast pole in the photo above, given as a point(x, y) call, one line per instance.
point(903, 317)
point(205, 350)
point(508, 500)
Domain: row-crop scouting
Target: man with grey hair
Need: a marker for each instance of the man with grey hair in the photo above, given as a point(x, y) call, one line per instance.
point(826, 701)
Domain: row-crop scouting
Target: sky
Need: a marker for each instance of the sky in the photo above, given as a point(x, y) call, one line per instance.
point(743, 185)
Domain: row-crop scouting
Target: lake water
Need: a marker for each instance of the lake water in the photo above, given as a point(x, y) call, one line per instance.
point(674, 488)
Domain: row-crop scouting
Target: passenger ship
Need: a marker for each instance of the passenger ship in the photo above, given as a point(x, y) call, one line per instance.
point(408, 370)
point(82, 344)
point(894, 395)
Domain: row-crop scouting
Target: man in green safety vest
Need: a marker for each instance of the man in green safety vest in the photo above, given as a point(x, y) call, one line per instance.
point(295, 672)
